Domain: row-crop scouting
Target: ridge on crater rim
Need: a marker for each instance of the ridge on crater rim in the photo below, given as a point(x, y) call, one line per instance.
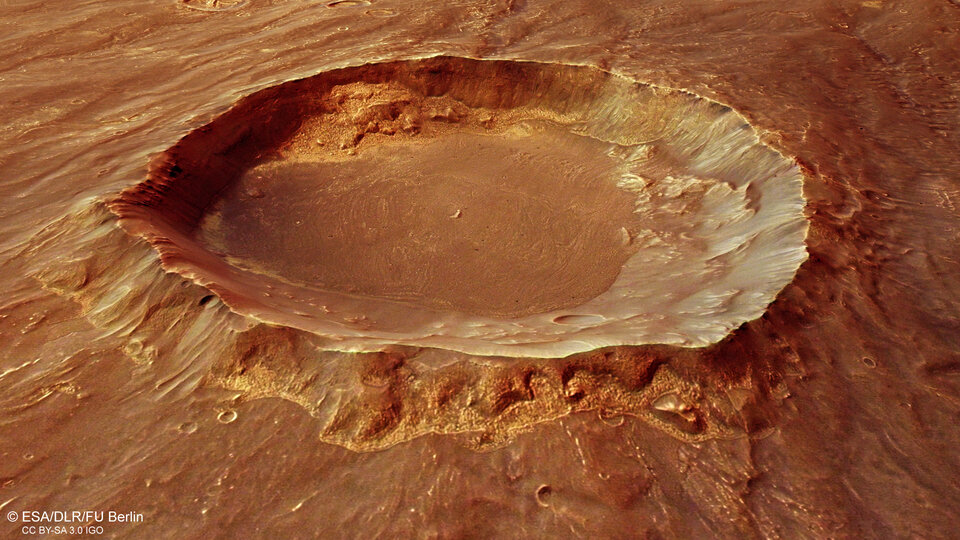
point(490, 207)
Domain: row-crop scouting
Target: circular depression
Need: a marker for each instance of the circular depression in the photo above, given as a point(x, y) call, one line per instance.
point(490, 207)
point(500, 225)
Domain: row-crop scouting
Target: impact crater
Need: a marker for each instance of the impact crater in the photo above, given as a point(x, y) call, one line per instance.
point(489, 207)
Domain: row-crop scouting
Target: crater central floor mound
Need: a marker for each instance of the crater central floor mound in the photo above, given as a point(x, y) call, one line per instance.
point(490, 207)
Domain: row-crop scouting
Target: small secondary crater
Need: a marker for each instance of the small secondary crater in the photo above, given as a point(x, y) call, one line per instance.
point(489, 207)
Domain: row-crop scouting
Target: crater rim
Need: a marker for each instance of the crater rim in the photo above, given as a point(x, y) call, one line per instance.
point(163, 210)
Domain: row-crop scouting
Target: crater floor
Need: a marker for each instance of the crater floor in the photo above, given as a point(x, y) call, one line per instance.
point(498, 226)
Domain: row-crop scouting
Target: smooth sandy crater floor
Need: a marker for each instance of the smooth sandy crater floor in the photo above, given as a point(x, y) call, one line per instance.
point(516, 269)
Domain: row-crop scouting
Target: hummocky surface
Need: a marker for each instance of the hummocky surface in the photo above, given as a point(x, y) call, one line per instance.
point(127, 388)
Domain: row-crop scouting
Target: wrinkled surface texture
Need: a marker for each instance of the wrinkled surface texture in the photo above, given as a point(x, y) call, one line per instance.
point(126, 388)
